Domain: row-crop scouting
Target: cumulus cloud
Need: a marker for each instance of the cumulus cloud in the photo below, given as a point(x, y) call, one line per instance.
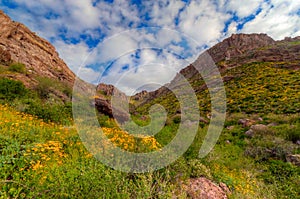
point(164, 13)
point(278, 19)
point(202, 21)
point(245, 8)
point(77, 57)
point(74, 54)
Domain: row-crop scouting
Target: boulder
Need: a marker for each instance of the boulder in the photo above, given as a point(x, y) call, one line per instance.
point(230, 128)
point(203, 188)
point(272, 124)
point(203, 120)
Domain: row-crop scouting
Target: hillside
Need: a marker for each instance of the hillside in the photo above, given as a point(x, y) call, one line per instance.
point(241, 59)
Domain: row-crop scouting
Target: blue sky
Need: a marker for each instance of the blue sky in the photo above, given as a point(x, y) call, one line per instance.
point(135, 43)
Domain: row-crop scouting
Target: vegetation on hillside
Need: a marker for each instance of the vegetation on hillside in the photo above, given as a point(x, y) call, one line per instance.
point(39, 101)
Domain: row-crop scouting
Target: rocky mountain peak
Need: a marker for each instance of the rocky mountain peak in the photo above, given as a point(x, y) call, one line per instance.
point(19, 44)
point(239, 44)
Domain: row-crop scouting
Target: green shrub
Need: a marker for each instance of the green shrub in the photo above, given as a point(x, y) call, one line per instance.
point(17, 67)
point(176, 119)
point(3, 69)
point(11, 89)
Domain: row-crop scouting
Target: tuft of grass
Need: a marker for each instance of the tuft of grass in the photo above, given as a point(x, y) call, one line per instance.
point(17, 67)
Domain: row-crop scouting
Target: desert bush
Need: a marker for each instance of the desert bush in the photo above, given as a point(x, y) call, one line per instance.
point(44, 87)
point(11, 89)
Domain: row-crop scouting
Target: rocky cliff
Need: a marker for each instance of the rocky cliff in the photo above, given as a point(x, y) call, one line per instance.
point(19, 44)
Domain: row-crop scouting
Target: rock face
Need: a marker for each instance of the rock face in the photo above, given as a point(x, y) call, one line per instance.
point(19, 44)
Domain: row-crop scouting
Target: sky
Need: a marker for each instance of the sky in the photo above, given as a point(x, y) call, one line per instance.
point(137, 44)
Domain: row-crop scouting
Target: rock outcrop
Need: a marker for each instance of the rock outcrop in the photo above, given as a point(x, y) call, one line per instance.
point(19, 44)
point(239, 44)
point(103, 102)
point(246, 48)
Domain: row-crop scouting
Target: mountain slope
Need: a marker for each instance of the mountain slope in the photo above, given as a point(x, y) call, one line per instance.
point(19, 45)
point(241, 59)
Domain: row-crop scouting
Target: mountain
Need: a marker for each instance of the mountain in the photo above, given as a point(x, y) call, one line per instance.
point(19, 45)
point(234, 54)
point(245, 48)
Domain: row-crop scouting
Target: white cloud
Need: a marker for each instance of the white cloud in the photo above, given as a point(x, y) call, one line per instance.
point(83, 15)
point(74, 54)
point(277, 20)
point(202, 21)
point(116, 46)
point(244, 8)
point(77, 57)
point(163, 13)
point(154, 68)
point(232, 28)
